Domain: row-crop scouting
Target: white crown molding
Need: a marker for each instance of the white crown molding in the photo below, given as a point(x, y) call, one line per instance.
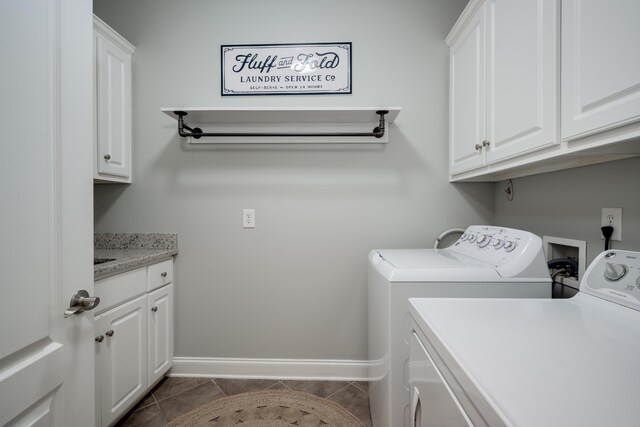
point(103, 28)
point(462, 21)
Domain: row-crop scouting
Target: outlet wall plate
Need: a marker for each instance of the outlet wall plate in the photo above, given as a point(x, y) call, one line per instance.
point(612, 217)
point(248, 218)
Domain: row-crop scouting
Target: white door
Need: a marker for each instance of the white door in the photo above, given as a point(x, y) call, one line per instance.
point(600, 65)
point(46, 361)
point(467, 94)
point(522, 76)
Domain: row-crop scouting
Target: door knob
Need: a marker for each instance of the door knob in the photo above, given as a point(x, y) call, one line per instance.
point(99, 338)
point(478, 147)
point(485, 143)
point(109, 333)
point(81, 301)
point(107, 156)
point(154, 308)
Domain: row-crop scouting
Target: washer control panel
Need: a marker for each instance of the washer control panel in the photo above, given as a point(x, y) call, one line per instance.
point(614, 276)
point(496, 238)
point(499, 246)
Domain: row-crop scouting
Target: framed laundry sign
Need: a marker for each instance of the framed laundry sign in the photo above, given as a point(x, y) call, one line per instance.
point(286, 69)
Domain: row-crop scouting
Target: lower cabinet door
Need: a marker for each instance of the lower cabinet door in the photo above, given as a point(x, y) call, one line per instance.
point(123, 357)
point(160, 339)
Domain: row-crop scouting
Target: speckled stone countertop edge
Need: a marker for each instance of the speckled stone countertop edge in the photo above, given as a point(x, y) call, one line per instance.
point(135, 241)
point(127, 260)
point(131, 250)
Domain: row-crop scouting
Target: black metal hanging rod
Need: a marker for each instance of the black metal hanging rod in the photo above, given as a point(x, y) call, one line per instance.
point(197, 133)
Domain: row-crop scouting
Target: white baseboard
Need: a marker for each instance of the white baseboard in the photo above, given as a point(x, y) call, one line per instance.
point(290, 369)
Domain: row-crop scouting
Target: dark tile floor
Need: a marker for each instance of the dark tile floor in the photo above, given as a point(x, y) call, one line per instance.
point(175, 396)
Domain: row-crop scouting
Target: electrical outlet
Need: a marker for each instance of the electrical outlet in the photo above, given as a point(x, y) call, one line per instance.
point(613, 217)
point(248, 218)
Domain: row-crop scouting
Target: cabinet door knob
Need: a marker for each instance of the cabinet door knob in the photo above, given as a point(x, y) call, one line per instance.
point(485, 143)
point(109, 333)
point(107, 156)
point(154, 308)
point(478, 147)
point(164, 274)
point(99, 338)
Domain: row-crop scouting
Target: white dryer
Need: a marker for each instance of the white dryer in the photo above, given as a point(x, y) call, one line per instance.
point(486, 261)
point(531, 363)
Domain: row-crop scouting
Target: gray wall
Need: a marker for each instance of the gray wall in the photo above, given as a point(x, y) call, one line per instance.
point(568, 203)
point(295, 287)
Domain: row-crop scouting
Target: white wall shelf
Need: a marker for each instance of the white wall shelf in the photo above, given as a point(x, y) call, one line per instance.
point(347, 125)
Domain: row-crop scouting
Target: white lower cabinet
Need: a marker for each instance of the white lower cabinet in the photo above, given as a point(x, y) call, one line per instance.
point(160, 332)
point(134, 339)
point(123, 356)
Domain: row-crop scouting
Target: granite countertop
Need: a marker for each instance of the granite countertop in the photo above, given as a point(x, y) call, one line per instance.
point(131, 250)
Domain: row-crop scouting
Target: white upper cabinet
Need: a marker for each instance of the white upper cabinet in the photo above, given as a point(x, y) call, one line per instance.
point(113, 104)
point(601, 66)
point(467, 125)
point(542, 85)
point(503, 81)
point(522, 76)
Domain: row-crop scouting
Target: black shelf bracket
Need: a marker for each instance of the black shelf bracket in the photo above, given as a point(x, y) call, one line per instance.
point(186, 131)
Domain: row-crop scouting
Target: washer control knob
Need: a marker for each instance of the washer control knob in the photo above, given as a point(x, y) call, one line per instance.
point(484, 241)
point(464, 237)
point(615, 272)
point(509, 246)
point(638, 282)
point(497, 243)
point(472, 238)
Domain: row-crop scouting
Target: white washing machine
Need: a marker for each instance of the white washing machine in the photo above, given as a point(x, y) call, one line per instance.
point(531, 363)
point(486, 261)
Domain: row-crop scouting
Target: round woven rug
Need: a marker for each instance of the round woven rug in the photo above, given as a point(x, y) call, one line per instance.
point(269, 409)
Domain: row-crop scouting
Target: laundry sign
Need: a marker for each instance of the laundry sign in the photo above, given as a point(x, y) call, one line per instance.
point(286, 69)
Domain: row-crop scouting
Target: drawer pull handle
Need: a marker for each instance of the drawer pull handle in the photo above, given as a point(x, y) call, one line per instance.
point(109, 333)
point(164, 274)
point(100, 338)
point(154, 309)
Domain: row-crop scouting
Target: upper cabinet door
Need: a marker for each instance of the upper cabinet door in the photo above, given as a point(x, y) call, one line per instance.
point(467, 95)
point(522, 76)
point(113, 80)
point(601, 66)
